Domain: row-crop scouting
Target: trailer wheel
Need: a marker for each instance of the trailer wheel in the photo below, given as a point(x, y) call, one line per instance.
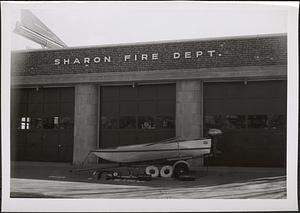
point(166, 171)
point(97, 175)
point(181, 168)
point(152, 171)
point(115, 174)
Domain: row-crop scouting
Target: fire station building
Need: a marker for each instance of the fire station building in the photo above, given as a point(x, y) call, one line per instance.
point(66, 102)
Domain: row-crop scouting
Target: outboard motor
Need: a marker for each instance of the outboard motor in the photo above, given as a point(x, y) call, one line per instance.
point(215, 133)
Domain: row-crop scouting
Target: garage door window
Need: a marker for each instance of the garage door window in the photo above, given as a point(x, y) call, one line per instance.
point(277, 121)
point(24, 123)
point(51, 122)
point(37, 123)
point(146, 122)
point(127, 122)
point(225, 121)
point(109, 122)
point(165, 122)
point(66, 123)
point(257, 121)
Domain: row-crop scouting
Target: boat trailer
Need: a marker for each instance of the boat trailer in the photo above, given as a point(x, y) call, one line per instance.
point(171, 168)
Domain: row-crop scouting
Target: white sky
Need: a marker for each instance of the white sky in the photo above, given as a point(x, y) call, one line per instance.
point(82, 24)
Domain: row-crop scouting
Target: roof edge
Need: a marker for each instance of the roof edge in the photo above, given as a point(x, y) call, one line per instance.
point(156, 42)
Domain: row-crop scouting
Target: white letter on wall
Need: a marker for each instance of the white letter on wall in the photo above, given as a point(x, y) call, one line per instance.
point(57, 61)
point(126, 57)
point(97, 60)
point(211, 52)
point(187, 54)
point(199, 53)
point(154, 56)
point(176, 55)
point(66, 61)
point(76, 61)
point(86, 60)
point(107, 59)
point(144, 57)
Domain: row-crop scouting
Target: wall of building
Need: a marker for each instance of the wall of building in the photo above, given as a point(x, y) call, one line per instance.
point(196, 54)
point(207, 74)
point(256, 57)
point(235, 59)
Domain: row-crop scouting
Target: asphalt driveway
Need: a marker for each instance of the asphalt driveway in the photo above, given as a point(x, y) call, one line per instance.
point(50, 180)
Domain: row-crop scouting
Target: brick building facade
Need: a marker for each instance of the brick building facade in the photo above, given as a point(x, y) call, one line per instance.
point(66, 102)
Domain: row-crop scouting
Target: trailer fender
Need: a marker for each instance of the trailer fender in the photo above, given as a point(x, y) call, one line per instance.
point(181, 161)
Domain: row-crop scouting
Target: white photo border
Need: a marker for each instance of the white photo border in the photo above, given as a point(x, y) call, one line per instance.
point(151, 205)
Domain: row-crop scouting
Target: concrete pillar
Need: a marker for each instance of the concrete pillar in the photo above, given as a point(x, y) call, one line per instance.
point(86, 122)
point(189, 112)
point(189, 109)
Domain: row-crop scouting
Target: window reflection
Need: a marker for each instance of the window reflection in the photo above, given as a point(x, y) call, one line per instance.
point(235, 121)
point(46, 123)
point(225, 121)
point(165, 122)
point(277, 121)
point(146, 122)
point(66, 123)
point(108, 122)
point(257, 121)
point(127, 122)
point(50, 122)
point(24, 123)
point(55, 121)
point(210, 122)
point(239, 121)
point(37, 123)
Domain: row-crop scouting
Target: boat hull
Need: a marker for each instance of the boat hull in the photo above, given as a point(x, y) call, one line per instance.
point(156, 151)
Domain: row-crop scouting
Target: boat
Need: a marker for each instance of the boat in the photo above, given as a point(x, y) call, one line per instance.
point(170, 149)
point(167, 158)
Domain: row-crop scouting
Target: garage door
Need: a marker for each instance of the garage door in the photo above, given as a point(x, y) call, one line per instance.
point(136, 115)
point(252, 116)
point(42, 123)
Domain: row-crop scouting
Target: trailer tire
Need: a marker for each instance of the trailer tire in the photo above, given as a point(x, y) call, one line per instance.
point(166, 171)
point(152, 171)
point(97, 175)
point(115, 174)
point(181, 168)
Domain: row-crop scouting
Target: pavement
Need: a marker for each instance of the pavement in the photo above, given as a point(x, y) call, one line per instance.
point(54, 180)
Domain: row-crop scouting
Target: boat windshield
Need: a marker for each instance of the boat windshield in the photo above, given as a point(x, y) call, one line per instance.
point(169, 140)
